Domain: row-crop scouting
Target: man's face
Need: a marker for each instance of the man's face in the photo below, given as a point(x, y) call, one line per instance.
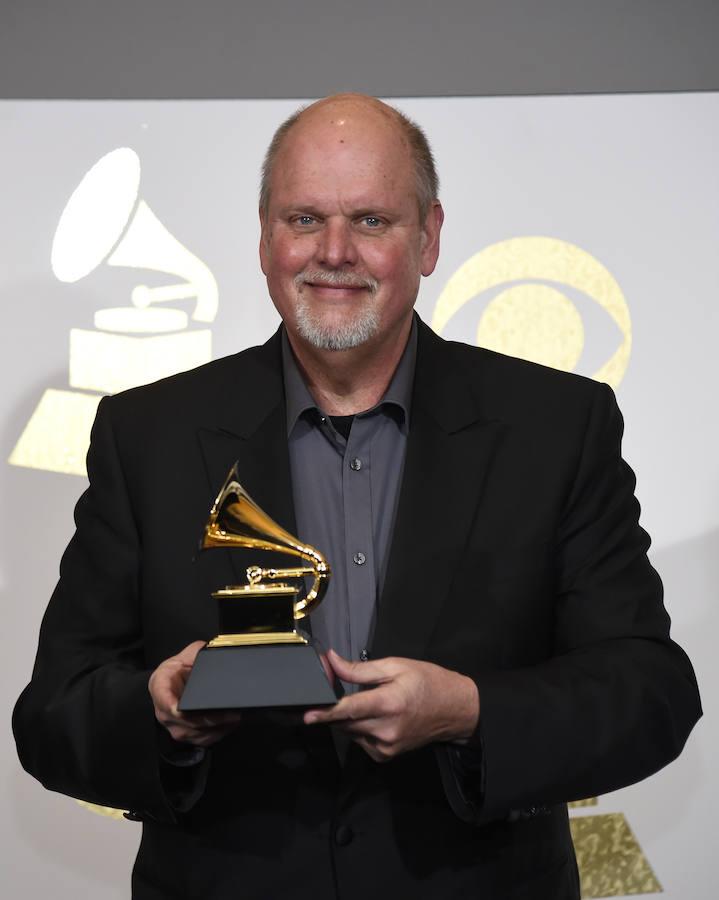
point(342, 244)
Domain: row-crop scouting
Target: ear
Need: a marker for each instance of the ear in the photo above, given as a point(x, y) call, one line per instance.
point(430, 237)
point(264, 242)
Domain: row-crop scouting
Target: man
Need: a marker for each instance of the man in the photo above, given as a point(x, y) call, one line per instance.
point(505, 647)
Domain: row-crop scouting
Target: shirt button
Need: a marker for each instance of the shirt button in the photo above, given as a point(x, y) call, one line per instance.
point(343, 835)
point(356, 464)
point(364, 655)
point(359, 559)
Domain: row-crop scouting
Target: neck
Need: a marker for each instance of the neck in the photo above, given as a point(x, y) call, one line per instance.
point(344, 382)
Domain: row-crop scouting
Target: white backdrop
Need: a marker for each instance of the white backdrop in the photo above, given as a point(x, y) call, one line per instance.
point(629, 180)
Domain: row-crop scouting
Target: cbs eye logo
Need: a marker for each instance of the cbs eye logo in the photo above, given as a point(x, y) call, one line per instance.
point(531, 317)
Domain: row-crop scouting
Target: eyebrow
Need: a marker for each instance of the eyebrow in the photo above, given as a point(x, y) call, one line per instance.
point(309, 209)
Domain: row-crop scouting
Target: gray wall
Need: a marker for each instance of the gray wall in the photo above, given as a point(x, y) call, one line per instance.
point(276, 48)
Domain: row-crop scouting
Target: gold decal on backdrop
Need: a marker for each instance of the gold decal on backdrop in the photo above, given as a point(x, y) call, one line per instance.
point(581, 804)
point(106, 221)
point(530, 318)
point(611, 863)
point(107, 811)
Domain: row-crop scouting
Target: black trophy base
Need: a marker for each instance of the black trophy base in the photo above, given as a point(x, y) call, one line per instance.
point(251, 677)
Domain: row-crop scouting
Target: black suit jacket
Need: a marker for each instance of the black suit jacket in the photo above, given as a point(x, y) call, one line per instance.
point(517, 559)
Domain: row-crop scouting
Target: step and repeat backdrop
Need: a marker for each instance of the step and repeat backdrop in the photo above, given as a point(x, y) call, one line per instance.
point(581, 232)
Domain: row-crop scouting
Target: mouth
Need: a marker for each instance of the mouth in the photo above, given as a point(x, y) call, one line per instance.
point(334, 291)
point(335, 285)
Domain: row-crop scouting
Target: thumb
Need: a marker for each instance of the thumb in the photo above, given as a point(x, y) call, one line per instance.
point(370, 672)
point(188, 655)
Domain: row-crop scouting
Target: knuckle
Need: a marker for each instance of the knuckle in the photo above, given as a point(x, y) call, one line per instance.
point(388, 736)
point(384, 753)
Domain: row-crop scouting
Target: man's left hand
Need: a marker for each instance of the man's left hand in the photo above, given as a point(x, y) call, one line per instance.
point(409, 704)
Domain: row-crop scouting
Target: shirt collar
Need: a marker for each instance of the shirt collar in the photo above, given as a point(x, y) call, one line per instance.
point(398, 394)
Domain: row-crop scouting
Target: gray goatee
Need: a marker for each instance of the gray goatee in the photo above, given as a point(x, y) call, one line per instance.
point(355, 330)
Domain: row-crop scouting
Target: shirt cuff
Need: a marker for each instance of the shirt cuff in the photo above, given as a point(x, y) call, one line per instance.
point(183, 771)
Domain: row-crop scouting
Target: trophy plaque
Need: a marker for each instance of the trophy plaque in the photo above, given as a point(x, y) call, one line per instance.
point(260, 658)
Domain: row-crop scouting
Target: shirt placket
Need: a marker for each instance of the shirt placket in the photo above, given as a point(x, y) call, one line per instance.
point(360, 562)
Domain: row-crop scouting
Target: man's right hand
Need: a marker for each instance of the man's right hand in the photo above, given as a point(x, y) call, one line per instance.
point(166, 685)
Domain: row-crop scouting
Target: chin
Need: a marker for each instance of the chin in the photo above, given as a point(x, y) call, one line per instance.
point(327, 332)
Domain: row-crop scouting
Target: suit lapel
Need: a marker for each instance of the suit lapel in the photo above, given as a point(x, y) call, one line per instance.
point(449, 453)
point(252, 432)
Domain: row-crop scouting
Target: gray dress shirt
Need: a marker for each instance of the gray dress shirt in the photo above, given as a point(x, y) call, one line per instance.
point(345, 493)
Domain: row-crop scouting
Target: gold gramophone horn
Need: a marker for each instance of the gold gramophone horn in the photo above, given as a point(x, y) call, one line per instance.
point(237, 521)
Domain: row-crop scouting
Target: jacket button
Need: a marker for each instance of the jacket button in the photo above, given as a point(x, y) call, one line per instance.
point(132, 816)
point(343, 835)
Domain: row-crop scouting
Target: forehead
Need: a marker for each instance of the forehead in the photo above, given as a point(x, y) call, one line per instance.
point(343, 152)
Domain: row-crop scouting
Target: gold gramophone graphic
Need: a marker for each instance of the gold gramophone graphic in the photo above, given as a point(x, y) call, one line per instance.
point(260, 658)
point(106, 221)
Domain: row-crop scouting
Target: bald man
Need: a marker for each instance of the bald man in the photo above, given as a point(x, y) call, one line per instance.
point(492, 614)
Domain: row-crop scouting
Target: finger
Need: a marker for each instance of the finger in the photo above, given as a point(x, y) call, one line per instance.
point(367, 728)
point(373, 749)
point(202, 721)
point(165, 686)
point(362, 705)
point(370, 672)
point(211, 719)
point(188, 654)
point(200, 737)
point(168, 680)
point(328, 668)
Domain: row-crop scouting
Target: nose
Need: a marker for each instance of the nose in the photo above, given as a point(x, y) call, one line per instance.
point(336, 246)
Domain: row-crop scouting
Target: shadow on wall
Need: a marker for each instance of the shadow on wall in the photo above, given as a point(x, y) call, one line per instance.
point(690, 572)
point(72, 852)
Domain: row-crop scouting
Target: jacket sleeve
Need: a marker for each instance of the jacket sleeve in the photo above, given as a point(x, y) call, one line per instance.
point(618, 698)
point(85, 724)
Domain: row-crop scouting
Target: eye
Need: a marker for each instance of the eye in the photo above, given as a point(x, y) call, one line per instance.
point(371, 221)
point(528, 292)
point(304, 220)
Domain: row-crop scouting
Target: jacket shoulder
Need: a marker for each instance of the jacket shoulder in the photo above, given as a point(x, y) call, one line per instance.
point(517, 390)
point(199, 393)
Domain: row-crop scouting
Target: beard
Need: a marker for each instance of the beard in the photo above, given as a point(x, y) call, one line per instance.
point(321, 328)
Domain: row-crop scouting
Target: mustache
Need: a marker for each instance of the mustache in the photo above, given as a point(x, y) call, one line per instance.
point(336, 279)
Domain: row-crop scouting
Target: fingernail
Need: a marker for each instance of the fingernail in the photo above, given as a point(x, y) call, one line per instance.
point(311, 718)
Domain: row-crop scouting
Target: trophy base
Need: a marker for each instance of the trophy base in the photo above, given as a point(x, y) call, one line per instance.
point(252, 677)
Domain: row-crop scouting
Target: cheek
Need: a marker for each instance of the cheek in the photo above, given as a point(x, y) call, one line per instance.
point(289, 255)
point(390, 264)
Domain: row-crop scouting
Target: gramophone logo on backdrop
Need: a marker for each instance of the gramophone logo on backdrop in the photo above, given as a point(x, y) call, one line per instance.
point(105, 221)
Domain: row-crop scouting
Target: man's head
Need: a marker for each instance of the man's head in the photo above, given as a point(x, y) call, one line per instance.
point(427, 181)
point(350, 221)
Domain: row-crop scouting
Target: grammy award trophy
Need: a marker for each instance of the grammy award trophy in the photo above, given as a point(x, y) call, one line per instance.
point(260, 658)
